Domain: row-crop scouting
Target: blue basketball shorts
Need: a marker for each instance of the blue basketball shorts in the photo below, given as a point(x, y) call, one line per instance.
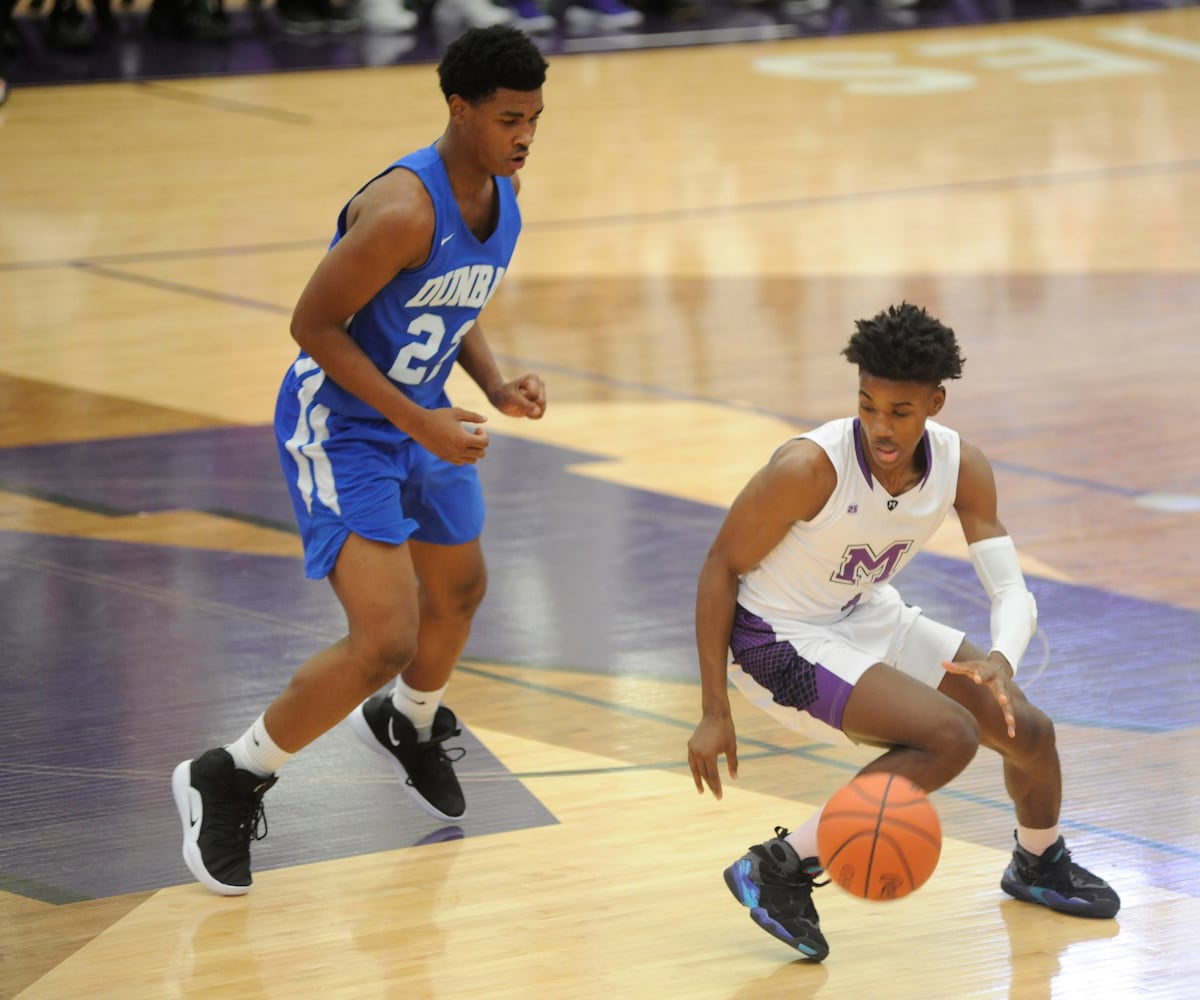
point(366, 477)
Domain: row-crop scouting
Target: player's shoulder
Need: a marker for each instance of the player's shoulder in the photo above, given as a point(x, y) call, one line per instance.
point(398, 189)
point(976, 479)
point(394, 201)
point(797, 481)
point(802, 459)
point(970, 455)
point(835, 440)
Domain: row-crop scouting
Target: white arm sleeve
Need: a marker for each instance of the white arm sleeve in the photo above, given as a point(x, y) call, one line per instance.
point(1014, 611)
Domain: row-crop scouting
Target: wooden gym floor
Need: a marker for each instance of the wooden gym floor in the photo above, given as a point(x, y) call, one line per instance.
point(703, 225)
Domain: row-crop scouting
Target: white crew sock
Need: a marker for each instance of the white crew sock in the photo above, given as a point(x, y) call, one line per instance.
point(419, 707)
point(1036, 841)
point(804, 838)
point(257, 752)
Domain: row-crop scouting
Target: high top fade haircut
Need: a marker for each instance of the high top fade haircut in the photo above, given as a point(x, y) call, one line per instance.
point(483, 60)
point(905, 344)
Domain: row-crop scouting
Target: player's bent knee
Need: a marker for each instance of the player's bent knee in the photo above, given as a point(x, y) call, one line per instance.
point(384, 659)
point(1035, 731)
point(471, 597)
point(461, 601)
point(957, 738)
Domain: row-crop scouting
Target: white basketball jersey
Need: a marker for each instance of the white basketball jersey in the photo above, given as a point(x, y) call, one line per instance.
point(861, 538)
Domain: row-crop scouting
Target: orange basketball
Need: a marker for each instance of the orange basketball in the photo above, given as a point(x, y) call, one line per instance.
point(879, 837)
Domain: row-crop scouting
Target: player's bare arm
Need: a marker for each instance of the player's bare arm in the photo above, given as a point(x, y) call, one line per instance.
point(975, 502)
point(995, 562)
point(520, 397)
point(793, 486)
point(390, 228)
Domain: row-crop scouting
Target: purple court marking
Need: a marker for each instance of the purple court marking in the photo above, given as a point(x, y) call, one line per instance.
point(170, 650)
point(123, 660)
point(587, 574)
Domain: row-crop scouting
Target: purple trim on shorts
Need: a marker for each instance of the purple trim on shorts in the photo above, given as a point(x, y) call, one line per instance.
point(792, 680)
point(749, 631)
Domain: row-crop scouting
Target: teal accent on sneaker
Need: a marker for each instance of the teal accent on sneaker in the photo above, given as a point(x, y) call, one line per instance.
point(1053, 880)
point(776, 885)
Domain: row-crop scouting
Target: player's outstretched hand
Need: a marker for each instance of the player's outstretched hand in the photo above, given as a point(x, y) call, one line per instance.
point(522, 397)
point(996, 674)
point(713, 737)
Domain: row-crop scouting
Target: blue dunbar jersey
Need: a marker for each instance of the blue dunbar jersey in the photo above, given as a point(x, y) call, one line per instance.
point(413, 326)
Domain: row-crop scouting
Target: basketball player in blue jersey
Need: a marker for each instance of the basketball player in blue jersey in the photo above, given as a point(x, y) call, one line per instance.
point(795, 605)
point(380, 464)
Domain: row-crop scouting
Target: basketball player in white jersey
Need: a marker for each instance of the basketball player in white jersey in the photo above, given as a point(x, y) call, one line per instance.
point(795, 605)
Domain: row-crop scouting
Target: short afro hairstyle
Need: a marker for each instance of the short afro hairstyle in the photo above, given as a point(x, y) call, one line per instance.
point(905, 344)
point(483, 60)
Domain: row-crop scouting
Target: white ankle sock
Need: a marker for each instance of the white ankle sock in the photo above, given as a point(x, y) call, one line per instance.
point(1036, 841)
point(804, 838)
point(257, 752)
point(419, 707)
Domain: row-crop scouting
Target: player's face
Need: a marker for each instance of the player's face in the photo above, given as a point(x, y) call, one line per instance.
point(502, 129)
point(893, 416)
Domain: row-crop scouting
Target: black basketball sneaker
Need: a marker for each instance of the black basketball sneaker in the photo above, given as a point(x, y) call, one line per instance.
point(776, 884)
point(222, 811)
point(426, 767)
point(1054, 880)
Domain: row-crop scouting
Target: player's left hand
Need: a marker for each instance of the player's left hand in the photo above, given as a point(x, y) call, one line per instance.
point(522, 397)
point(713, 737)
point(996, 674)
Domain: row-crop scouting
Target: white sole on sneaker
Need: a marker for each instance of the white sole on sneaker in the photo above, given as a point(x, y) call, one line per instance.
point(362, 729)
point(191, 812)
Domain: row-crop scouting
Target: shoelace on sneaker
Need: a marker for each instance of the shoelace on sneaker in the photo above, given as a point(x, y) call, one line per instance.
point(784, 903)
point(806, 875)
point(1056, 874)
point(240, 820)
point(434, 755)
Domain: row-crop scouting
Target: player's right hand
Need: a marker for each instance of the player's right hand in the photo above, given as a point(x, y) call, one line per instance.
point(995, 674)
point(453, 434)
point(713, 736)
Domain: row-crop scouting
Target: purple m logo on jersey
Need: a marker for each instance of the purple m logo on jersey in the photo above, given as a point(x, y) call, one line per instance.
point(861, 565)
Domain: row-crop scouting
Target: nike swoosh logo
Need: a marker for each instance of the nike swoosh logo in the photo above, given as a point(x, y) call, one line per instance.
point(193, 819)
point(415, 701)
point(447, 239)
point(392, 733)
